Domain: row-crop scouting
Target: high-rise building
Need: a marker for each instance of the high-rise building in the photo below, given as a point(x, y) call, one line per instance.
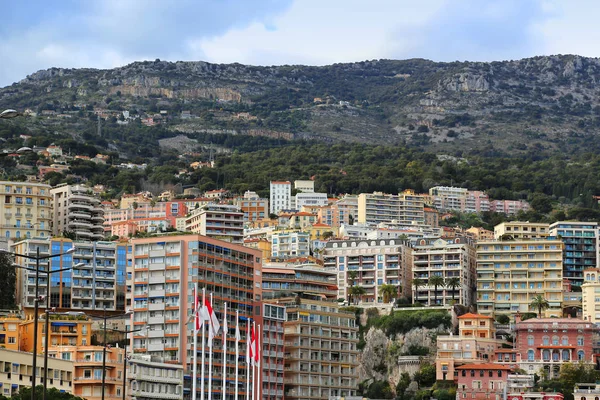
point(77, 210)
point(219, 221)
point(404, 208)
point(98, 284)
point(374, 262)
point(582, 247)
point(272, 344)
point(280, 196)
point(164, 271)
point(412, 208)
point(448, 259)
point(511, 272)
point(447, 198)
point(26, 209)
point(320, 339)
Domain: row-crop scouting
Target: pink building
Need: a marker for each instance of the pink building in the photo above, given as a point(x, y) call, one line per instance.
point(481, 381)
point(545, 344)
point(124, 229)
point(509, 207)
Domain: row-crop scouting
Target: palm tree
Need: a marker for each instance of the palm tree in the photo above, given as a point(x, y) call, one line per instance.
point(453, 283)
point(352, 275)
point(357, 291)
point(388, 292)
point(417, 283)
point(436, 281)
point(540, 303)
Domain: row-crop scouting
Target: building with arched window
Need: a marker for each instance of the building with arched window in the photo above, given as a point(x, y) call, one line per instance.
point(545, 344)
point(590, 295)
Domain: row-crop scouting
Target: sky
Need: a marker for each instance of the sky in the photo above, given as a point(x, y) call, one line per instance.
point(40, 34)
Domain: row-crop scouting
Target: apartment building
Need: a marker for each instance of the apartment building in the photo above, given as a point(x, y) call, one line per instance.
point(448, 259)
point(509, 207)
point(26, 209)
point(253, 207)
point(378, 207)
point(590, 295)
point(481, 381)
point(475, 343)
point(310, 200)
point(87, 370)
point(302, 220)
point(304, 186)
point(320, 340)
point(290, 244)
point(164, 270)
point(369, 264)
point(447, 198)
point(280, 196)
point(582, 247)
point(150, 379)
point(333, 215)
point(510, 273)
point(77, 210)
point(64, 331)
point(220, 221)
point(10, 332)
point(272, 344)
point(522, 230)
point(16, 372)
point(97, 283)
point(545, 344)
point(348, 208)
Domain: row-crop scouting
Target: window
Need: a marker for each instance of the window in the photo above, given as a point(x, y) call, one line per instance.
point(580, 341)
point(529, 340)
point(530, 355)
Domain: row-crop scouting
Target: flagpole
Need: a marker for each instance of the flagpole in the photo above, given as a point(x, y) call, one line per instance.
point(237, 351)
point(248, 359)
point(224, 389)
point(258, 362)
point(210, 354)
point(202, 368)
point(195, 355)
point(254, 364)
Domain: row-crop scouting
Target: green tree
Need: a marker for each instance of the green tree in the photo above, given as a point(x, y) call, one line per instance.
point(8, 277)
point(389, 292)
point(453, 283)
point(539, 303)
point(417, 283)
point(436, 281)
point(380, 390)
point(52, 394)
point(425, 376)
point(357, 292)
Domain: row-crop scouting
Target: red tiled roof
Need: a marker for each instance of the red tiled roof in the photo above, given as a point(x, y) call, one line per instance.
point(471, 315)
point(484, 366)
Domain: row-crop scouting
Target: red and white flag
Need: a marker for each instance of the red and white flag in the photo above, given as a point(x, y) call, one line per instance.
point(253, 347)
point(208, 314)
point(196, 310)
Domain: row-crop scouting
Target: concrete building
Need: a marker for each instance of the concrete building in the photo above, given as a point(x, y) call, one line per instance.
point(582, 247)
point(509, 207)
point(586, 391)
point(77, 210)
point(310, 200)
point(522, 230)
point(374, 262)
point(97, 284)
point(280, 196)
point(253, 207)
point(320, 339)
point(219, 221)
point(10, 332)
point(304, 186)
point(150, 379)
point(272, 344)
point(16, 368)
point(510, 273)
point(412, 208)
point(447, 198)
point(26, 210)
point(481, 381)
point(590, 295)
point(164, 270)
point(378, 207)
point(448, 259)
point(545, 344)
point(290, 244)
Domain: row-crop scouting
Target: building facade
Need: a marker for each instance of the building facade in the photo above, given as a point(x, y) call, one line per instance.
point(482, 381)
point(510, 273)
point(582, 247)
point(149, 379)
point(290, 244)
point(219, 221)
point(77, 210)
point(377, 207)
point(448, 259)
point(26, 210)
point(590, 295)
point(280, 196)
point(272, 343)
point(253, 207)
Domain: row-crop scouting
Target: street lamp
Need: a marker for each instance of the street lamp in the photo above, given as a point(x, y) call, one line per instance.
point(126, 333)
point(6, 114)
point(47, 327)
point(37, 259)
point(106, 317)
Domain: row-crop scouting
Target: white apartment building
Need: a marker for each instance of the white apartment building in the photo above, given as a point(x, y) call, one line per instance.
point(77, 210)
point(374, 262)
point(220, 221)
point(149, 378)
point(460, 199)
point(289, 244)
point(310, 200)
point(305, 186)
point(403, 208)
point(449, 259)
point(280, 196)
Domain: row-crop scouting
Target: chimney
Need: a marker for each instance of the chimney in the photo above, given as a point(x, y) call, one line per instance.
point(517, 317)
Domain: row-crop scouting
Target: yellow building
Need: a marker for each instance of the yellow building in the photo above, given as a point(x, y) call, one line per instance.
point(522, 230)
point(10, 337)
point(590, 295)
point(479, 233)
point(261, 244)
point(64, 331)
point(317, 230)
point(25, 209)
point(511, 272)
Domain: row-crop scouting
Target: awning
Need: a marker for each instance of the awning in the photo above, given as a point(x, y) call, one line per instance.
point(63, 323)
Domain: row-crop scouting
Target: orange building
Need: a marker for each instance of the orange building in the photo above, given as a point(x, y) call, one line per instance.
point(10, 333)
point(124, 229)
point(64, 331)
